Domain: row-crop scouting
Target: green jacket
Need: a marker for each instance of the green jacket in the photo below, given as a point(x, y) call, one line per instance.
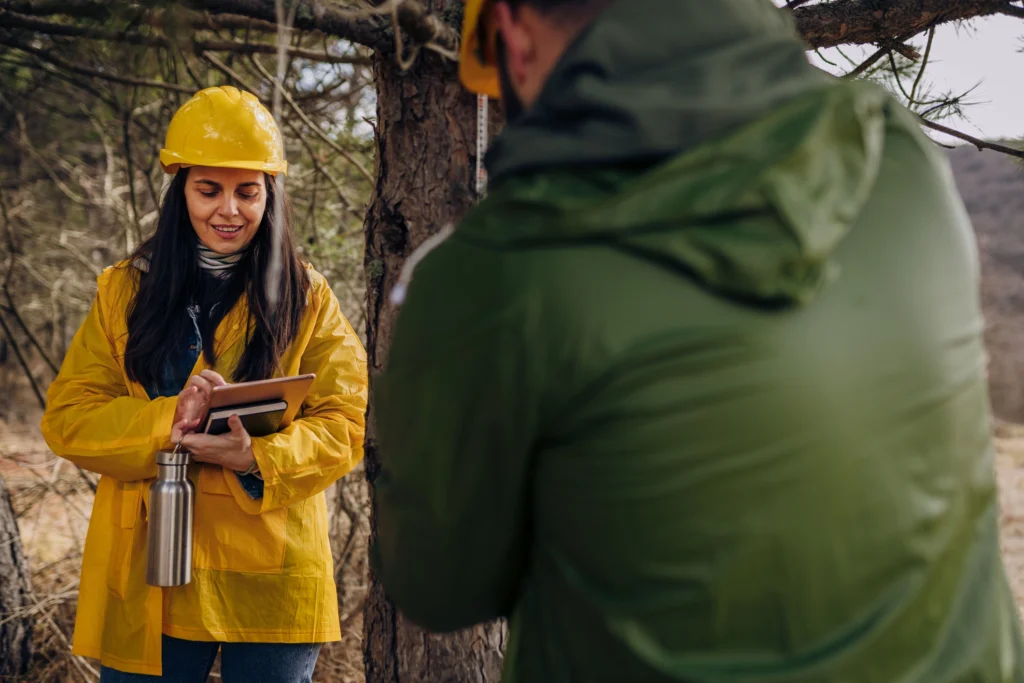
point(698, 393)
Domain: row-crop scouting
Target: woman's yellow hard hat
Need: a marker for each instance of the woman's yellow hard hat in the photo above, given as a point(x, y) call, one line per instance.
point(477, 66)
point(223, 127)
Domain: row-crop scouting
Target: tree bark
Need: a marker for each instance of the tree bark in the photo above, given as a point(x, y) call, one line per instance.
point(15, 595)
point(426, 155)
point(860, 22)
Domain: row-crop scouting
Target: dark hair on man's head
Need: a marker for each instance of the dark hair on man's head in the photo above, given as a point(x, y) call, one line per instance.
point(565, 11)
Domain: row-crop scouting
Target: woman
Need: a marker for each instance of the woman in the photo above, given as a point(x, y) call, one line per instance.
point(187, 312)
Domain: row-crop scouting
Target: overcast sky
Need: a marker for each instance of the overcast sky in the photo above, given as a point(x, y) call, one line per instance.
point(985, 51)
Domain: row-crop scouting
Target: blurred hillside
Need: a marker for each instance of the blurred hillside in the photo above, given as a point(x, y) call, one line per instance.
point(992, 186)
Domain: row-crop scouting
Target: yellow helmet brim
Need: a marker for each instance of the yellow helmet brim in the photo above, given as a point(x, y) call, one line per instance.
point(477, 70)
point(171, 163)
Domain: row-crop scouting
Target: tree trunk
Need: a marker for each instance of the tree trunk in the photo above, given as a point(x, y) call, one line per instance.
point(15, 595)
point(426, 155)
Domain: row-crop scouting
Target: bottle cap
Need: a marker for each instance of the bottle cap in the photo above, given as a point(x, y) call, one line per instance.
point(175, 457)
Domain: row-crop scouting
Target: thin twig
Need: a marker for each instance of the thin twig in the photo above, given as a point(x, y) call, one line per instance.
point(81, 258)
point(899, 80)
point(126, 137)
point(212, 58)
point(23, 362)
point(53, 489)
point(924, 65)
point(319, 167)
point(315, 128)
point(868, 63)
point(13, 310)
point(977, 142)
point(24, 142)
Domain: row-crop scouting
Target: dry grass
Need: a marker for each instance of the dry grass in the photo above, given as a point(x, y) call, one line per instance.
point(52, 504)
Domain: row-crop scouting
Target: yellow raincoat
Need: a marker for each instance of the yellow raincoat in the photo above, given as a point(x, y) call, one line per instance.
point(262, 569)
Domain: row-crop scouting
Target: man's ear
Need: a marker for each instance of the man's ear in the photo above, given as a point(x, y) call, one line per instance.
point(517, 38)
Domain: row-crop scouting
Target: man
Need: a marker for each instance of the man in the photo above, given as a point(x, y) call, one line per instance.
point(698, 392)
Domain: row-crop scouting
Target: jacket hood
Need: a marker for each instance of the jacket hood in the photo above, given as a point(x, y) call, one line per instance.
point(697, 135)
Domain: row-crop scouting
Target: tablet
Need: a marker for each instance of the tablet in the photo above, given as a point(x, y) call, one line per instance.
point(291, 390)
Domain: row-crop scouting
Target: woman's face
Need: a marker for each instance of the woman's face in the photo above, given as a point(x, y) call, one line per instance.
point(225, 205)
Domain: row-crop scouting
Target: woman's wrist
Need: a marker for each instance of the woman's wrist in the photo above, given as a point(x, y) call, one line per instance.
point(253, 468)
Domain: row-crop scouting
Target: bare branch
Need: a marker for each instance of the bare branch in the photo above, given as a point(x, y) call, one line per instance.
point(47, 56)
point(822, 25)
point(25, 143)
point(22, 361)
point(1012, 11)
point(126, 141)
point(977, 142)
point(13, 310)
point(923, 67)
point(92, 267)
point(14, 20)
point(855, 22)
point(368, 27)
point(91, 9)
point(320, 167)
point(868, 63)
point(904, 49)
point(315, 128)
point(268, 48)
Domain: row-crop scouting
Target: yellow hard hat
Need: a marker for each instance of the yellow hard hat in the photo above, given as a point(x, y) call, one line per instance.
point(477, 68)
point(223, 127)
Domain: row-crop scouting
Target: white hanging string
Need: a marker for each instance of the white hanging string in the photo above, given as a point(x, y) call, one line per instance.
point(481, 145)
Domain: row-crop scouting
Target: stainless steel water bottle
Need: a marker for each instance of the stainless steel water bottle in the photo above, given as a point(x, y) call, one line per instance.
point(171, 497)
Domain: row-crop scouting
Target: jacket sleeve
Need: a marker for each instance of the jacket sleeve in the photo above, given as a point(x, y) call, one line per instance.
point(455, 419)
point(92, 421)
point(325, 442)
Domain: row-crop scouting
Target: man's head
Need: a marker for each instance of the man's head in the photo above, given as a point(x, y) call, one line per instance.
point(524, 39)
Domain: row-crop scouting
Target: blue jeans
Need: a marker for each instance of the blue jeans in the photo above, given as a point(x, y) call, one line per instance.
point(190, 661)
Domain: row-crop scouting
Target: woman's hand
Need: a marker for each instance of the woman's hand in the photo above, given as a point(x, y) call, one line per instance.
point(232, 450)
point(192, 402)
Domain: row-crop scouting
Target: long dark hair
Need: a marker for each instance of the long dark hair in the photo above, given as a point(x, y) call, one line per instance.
point(170, 284)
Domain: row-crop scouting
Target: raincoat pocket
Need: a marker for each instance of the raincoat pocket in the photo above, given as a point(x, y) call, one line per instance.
point(124, 520)
point(229, 539)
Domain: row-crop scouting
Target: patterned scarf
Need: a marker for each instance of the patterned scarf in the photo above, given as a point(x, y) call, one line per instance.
point(218, 265)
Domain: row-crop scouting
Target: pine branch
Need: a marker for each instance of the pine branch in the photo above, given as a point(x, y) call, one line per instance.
point(1012, 11)
point(859, 23)
point(370, 27)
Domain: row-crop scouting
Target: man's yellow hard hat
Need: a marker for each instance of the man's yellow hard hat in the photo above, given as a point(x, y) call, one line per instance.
point(477, 66)
point(223, 127)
